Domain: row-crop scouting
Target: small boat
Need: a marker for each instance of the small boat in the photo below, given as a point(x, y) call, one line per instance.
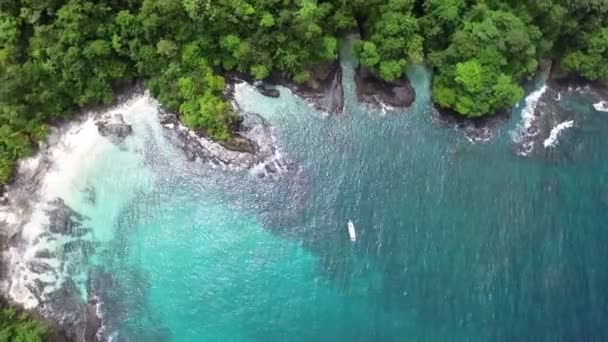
point(351, 231)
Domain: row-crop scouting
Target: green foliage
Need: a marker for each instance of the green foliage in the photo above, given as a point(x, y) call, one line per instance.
point(57, 55)
point(393, 39)
point(592, 60)
point(19, 327)
point(474, 89)
point(478, 72)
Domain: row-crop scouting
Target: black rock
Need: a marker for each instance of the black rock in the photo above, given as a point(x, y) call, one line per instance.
point(39, 267)
point(64, 220)
point(239, 143)
point(90, 194)
point(324, 88)
point(66, 307)
point(114, 128)
point(270, 168)
point(93, 322)
point(86, 247)
point(43, 254)
point(269, 92)
point(377, 92)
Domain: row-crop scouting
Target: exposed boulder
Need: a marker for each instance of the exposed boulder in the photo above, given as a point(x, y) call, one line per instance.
point(266, 90)
point(377, 92)
point(114, 128)
point(240, 144)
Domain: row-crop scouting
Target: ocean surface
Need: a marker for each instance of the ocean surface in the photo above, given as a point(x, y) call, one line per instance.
point(456, 240)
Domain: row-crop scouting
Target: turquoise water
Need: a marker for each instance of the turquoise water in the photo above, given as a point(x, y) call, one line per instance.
point(456, 241)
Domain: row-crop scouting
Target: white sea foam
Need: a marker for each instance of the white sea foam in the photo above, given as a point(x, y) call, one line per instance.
point(527, 113)
point(78, 158)
point(601, 106)
point(523, 130)
point(385, 108)
point(552, 140)
point(558, 97)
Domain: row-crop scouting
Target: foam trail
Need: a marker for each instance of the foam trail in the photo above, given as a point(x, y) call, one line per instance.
point(527, 113)
point(558, 97)
point(77, 158)
point(601, 106)
point(551, 141)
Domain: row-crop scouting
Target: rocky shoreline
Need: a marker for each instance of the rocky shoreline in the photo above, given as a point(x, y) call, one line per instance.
point(59, 301)
point(378, 93)
point(254, 131)
point(324, 90)
point(253, 146)
point(481, 129)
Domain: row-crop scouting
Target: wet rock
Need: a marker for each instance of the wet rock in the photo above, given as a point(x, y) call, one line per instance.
point(90, 195)
point(377, 92)
point(87, 247)
point(105, 292)
point(252, 144)
point(100, 281)
point(270, 168)
point(93, 322)
point(3, 198)
point(64, 220)
point(38, 287)
point(66, 307)
point(114, 128)
point(44, 254)
point(240, 144)
point(532, 130)
point(324, 88)
point(481, 129)
point(39, 267)
point(263, 89)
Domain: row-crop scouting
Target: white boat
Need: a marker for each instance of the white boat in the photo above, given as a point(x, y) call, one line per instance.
point(351, 231)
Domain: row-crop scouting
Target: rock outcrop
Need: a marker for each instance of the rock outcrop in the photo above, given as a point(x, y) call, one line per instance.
point(476, 130)
point(114, 128)
point(378, 93)
point(324, 88)
point(253, 144)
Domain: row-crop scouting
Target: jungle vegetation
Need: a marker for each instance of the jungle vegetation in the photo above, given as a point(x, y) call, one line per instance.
point(60, 55)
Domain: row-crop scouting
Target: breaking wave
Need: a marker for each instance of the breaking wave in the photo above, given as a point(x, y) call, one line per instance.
point(526, 129)
point(601, 106)
point(552, 140)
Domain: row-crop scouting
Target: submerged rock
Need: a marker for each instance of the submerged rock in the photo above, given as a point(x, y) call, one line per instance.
point(39, 267)
point(44, 254)
point(86, 247)
point(114, 128)
point(90, 195)
point(66, 307)
point(64, 220)
point(377, 92)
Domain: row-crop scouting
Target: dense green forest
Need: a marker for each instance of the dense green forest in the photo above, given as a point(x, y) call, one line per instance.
point(59, 55)
point(19, 327)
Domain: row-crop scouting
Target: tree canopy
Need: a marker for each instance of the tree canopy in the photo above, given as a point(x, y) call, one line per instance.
point(19, 327)
point(58, 55)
